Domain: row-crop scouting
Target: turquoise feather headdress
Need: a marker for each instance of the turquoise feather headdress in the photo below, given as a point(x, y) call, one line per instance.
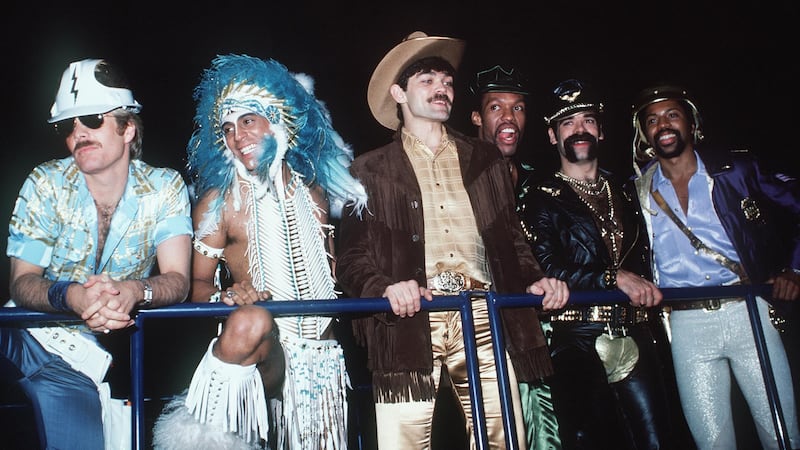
point(313, 148)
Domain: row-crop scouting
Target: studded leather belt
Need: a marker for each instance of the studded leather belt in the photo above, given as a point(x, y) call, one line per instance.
point(451, 282)
point(708, 305)
point(616, 315)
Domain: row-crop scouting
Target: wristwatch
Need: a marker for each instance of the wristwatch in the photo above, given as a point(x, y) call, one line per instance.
point(148, 294)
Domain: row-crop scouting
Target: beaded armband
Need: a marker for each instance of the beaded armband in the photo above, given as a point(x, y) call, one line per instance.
point(207, 250)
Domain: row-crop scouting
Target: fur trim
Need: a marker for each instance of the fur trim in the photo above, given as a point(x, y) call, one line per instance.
point(177, 429)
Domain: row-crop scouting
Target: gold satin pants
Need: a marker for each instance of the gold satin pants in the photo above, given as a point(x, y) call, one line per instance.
point(407, 425)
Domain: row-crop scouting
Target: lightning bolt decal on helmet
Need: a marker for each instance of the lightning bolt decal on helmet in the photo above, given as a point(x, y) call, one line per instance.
point(91, 86)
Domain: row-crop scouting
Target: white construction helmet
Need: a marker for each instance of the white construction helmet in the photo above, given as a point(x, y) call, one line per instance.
point(91, 86)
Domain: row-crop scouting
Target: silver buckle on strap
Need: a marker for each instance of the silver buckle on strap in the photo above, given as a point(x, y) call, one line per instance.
point(713, 304)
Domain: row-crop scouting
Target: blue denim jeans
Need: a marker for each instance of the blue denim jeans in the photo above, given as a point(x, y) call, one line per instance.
point(65, 402)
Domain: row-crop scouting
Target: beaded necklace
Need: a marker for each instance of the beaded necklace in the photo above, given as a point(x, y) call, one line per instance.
point(591, 194)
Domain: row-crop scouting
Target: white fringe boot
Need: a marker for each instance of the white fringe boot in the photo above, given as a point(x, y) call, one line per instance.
point(225, 407)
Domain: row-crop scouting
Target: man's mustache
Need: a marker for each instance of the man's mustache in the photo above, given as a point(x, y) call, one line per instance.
point(580, 137)
point(82, 144)
point(665, 131)
point(440, 97)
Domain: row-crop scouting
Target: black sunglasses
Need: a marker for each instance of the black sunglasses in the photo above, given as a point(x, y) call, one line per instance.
point(67, 126)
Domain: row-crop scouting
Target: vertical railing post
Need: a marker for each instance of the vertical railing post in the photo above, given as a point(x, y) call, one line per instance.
point(137, 384)
point(499, 347)
point(473, 372)
point(766, 370)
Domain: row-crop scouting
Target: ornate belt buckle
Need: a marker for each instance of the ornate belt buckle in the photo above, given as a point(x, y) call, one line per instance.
point(450, 282)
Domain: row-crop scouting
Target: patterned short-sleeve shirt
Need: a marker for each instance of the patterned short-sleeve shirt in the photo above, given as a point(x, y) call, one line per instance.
point(54, 223)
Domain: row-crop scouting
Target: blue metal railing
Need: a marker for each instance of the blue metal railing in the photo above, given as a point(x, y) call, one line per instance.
point(461, 303)
point(671, 295)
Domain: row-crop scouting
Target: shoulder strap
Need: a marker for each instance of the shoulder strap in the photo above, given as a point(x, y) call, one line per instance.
point(726, 262)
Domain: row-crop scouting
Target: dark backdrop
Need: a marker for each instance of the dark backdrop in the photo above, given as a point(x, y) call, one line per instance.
point(739, 60)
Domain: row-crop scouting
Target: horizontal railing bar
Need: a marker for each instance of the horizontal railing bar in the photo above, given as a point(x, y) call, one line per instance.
point(340, 306)
point(355, 305)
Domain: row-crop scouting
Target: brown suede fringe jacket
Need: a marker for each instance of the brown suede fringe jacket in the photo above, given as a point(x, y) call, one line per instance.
point(386, 245)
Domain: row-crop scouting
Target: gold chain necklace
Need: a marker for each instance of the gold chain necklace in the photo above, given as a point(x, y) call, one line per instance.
point(593, 188)
point(609, 228)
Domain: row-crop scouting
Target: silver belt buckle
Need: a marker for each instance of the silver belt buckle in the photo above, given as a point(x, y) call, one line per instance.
point(449, 282)
point(713, 304)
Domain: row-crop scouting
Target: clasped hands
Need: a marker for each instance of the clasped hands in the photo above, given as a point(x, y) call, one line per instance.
point(105, 304)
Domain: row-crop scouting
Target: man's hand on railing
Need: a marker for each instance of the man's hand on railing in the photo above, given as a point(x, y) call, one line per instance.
point(404, 297)
point(555, 291)
point(102, 307)
point(244, 293)
point(641, 291)
point(786, 286)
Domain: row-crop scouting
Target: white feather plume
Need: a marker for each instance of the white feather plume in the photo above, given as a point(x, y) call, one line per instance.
point(306, 81)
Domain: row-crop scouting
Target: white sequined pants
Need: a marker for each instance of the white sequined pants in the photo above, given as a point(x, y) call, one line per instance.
point(706, 347)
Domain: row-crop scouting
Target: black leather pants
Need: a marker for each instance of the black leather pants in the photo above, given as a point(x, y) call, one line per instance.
point(595, 414)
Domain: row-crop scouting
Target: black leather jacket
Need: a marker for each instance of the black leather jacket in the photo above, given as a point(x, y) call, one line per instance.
point(566, 241)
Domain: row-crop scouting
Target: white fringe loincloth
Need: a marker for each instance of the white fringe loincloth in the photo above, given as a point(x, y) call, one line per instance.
point(313, 414)
point(222, 399)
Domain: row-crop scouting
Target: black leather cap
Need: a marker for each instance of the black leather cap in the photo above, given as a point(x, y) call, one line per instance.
point(497, 79)
point(570, 97)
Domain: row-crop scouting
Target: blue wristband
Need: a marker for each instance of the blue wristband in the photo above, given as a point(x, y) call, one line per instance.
point(57, 295)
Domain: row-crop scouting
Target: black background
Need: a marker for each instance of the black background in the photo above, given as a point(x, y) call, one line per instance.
point(740, 61)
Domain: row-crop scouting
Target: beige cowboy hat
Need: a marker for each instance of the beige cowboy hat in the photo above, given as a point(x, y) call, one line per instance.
point(416, 45)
